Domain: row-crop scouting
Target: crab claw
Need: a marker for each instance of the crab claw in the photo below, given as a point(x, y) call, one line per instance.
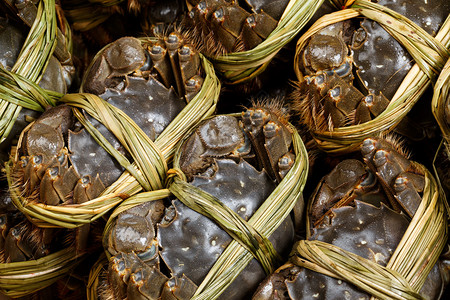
point(256, 29)
point(146, 283)
point(179, 288)
point(226, 23)
point(406, 187)
point(398, 176)
point(270, 137)
point(129, 277)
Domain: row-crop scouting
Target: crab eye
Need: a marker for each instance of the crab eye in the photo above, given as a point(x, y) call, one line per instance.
point(245, 148)
point(368, 180)
point(149, 254)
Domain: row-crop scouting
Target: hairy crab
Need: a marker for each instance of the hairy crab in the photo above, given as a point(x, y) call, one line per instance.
point(221, 26)
point(223, 157)
point(350, 70)
point(350, 209)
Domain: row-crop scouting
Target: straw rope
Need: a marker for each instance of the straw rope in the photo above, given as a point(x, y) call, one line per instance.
point(441, 99)
point(32, 61)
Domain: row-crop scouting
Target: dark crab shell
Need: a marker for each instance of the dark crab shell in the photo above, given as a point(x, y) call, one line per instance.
point(189, 242)
point(65, 157)
point(382, 61)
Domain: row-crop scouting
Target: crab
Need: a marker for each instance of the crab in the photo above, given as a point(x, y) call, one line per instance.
point(151, 81)
point(368, 231)
point(350, 209)
point(134, 231)
point(61, 163)
point(220, 26)
point(22, 242)
point(220, 157)
point(327, 98)
point(351, 69)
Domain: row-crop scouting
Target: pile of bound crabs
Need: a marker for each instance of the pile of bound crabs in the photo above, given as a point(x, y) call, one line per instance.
point(146, 60)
